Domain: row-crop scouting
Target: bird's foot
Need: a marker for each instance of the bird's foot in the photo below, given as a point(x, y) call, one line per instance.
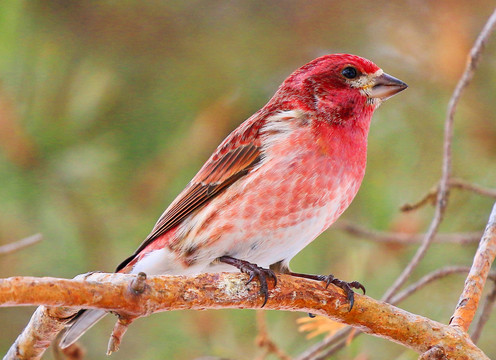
point(330, 279)
point(254, 271)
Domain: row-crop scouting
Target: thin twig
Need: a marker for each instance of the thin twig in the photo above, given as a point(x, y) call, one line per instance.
point(335, 348)
point(405, 238)
point(337, 342)
point(264, 341)
point(429, 198)
point(487, 308)
point(433, 276)
point(474, 284)
point(20, 244)
point(456, 183)
point(427, 279)
point(477, 189)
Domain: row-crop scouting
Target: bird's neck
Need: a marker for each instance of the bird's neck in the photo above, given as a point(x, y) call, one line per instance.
point(344, 140)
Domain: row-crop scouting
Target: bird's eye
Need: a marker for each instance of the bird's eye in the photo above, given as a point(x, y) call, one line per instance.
point(349, 72)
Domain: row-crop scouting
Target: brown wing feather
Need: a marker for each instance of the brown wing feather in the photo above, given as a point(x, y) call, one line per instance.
point(234, 158)
point(225, 171)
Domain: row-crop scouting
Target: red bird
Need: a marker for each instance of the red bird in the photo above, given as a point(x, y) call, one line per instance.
point(273, 185)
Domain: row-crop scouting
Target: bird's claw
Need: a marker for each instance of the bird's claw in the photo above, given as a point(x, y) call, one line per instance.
point(262, 275)
point(253, 271)
point(345, 286)
point(330, 279)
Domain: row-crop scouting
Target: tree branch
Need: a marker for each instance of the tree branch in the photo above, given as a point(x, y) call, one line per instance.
point(337, 341)
point(474, 284)
point(229, 290)
point(41, 330)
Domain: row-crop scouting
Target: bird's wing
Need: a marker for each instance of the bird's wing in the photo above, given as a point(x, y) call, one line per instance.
point(233, 159)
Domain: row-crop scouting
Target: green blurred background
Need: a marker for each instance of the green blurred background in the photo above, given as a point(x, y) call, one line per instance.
point(108, 108)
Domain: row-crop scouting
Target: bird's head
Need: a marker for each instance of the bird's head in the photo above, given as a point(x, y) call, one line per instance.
point(340, 85)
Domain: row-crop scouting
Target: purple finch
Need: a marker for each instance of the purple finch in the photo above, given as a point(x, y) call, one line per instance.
point(273, 185)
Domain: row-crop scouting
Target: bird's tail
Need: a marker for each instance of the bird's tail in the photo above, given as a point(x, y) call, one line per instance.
point(84, 320)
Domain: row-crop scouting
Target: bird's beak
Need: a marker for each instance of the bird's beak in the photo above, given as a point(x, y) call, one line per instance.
point(385, 86)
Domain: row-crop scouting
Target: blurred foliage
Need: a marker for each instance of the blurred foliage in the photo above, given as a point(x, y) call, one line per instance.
point(108, 108)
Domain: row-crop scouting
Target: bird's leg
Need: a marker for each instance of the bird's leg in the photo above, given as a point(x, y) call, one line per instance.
point(254, 271)
point(330, 279)
point(280, 267)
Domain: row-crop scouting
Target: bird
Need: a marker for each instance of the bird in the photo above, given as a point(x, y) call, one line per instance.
point(273, 185)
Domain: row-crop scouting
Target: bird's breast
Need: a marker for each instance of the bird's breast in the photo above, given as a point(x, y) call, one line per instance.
point(310, 174)
point(296, 192)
